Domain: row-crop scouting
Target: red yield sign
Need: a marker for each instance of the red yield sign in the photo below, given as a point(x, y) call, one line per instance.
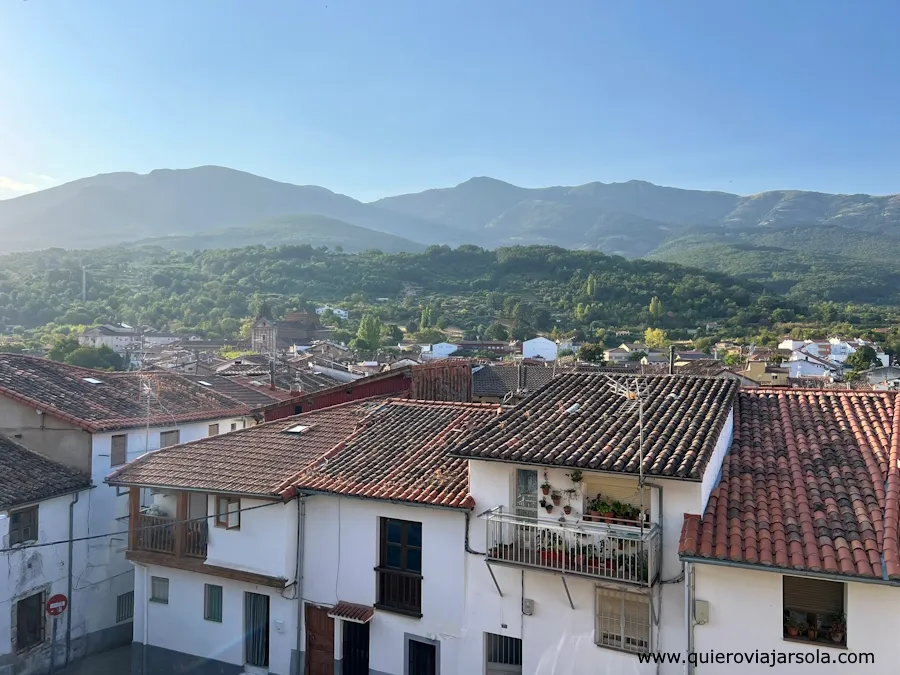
point(57, 604)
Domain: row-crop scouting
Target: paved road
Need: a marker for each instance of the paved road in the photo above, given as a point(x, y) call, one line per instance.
point(115, 662)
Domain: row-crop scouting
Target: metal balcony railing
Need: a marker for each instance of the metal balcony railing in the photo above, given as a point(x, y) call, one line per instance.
point(617, 552)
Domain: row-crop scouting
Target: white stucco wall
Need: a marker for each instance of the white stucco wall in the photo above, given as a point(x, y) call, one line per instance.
point(180, 626)
point(745, 614)
point(342, 550)
point(557, 639)
point(26, 571)
point(266, 542)
point(805, 369)
point(539, 347)
point(714, 466)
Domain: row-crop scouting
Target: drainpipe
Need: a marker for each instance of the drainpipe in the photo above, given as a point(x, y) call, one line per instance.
point(69, 582)
point(146, 620)
point(301, 546)
point(689, 612)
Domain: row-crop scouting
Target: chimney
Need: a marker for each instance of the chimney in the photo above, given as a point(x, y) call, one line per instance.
point(272, 374)
point(671, 359)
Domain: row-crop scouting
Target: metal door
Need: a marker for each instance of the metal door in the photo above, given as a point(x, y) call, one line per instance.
point(256, 629)
point(502, 655)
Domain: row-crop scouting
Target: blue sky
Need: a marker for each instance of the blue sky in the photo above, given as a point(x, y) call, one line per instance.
point(377, 98)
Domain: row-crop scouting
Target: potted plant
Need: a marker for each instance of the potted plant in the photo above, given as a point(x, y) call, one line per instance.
point(576, 476)
point(620, 512)
point(571, 492)
point(549, 507)
point(556, 495)
point(812, 632)
point(838, 630)
point(545, 487)
point(791, 627)
point(802, 627)
point(594, 509)
point(606, 511)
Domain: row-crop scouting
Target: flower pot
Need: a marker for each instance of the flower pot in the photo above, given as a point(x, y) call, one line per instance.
point(608, 517)
point(556, 500)
point(812, 634)
point(595, 515)
point(549, 508)
point(567, 509)
point(792, 631)
point(837, 638)
point(545, 490)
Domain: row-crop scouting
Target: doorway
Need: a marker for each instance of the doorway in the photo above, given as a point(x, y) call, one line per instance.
point(355, 649)
point(256, 629)
point(319, 641)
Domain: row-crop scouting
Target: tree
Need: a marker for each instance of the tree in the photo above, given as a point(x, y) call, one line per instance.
point(100, 358)
point(655, 338)
point(592, 352)
point(63, 347)
point(427, 318)
point(590, 286)
point(370, 331)
point(412, 327)
point(656, 308)
point(863, 358)
point(392, 333)
point(496, 331)
point(733, 359)
point(636, 356)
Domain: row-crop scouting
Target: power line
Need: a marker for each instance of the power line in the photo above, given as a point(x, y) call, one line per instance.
point(125, 532)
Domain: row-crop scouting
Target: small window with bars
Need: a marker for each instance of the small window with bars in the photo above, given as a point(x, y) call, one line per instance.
point(502, 654)
point(168, 438)
point(623, 621)
point(118, 453)
point(125, 607)
point(159, 590)
point(212, 603)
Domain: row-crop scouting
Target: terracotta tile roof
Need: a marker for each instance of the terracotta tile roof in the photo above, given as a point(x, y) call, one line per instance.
point(498, 381)
point(26, 476)
point(349, 611)
point(811, 483)
point(116, 401)
point(401, 454)
point(287, 376)
point(256, 460)
point(239, 389)
point(578, 420)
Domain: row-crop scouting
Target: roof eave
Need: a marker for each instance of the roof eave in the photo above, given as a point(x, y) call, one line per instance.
point(789, 571)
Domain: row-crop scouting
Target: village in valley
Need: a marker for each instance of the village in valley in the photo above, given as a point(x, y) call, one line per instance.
point(456, 507)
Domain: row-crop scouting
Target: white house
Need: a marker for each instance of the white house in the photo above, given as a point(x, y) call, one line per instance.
point(92, 421)
point(795, 555)
point(42, 502)
point(340, 313)
point(561, 590)
point(805, 364)
point(539, 348)
point(159, 339)
point(116, 338)
point(377, 509)
point(440, 350)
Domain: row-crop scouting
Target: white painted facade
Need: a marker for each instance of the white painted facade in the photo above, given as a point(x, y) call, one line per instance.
point(746, 614)
point(801, 367)
point(45, 570)
point(340, 313)
point(540, 348)
point(440, 350)
point(118, 342)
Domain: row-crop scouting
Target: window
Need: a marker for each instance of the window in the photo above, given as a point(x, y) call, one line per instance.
point(400, 573)
point(623, 621)
point(212, 603)
point(213, 430)
point(502, 654)
point(228, 512)
point(23, 526)
point(29, 622)
point(814, 610)
point(118, 453)
point(167, 438)
point(234, 426)
point(125, 607)
point(159, 590)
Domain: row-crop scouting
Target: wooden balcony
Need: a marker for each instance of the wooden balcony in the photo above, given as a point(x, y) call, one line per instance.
point(625, 553)
point(399, 591)
point(174, 536)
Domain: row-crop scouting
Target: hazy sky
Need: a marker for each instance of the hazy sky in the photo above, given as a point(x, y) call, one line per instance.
point(376, 97)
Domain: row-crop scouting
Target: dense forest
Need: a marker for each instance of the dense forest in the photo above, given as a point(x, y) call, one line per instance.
point(537, 288)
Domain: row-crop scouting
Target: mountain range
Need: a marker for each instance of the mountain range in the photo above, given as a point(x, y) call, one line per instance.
point(779, 237)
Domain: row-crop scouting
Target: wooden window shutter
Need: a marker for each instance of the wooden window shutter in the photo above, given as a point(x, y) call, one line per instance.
point(813, 595)
point(118, 454)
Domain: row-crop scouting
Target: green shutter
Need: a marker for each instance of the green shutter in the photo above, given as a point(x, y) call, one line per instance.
point(212, 603)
